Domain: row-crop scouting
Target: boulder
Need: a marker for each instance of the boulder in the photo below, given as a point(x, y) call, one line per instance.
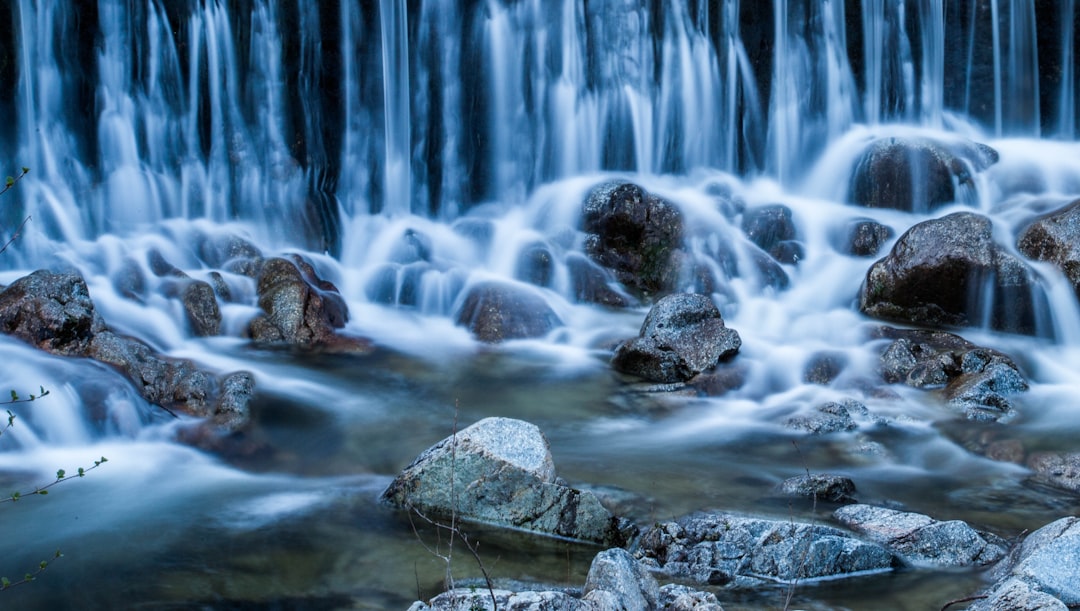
point(682, 336)
point(824, 367)
point(976, 381)
point(1057, 469)
point(677, 597)
point(535, 264)
point(1014, 594)
point(591, 283)
point(636, 235)
point(727, 550)
point(772, 229)
point(618, 582)
point(820, 487)
point(1042, 568)
point(949, 272)
point(201, 306)
point(497, 311)
point(921, 540)
point(862, 238)
point(231, 252)
point(831, 417)
point(1055, 238)
point(499, 471)
point(916, 174)
point(51, 311)
point(298, 307)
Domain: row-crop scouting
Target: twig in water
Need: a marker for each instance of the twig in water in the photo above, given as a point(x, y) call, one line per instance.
point(810, 541)
point(963, 600)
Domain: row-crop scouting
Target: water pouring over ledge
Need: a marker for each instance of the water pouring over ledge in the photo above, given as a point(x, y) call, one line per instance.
point(411, 151)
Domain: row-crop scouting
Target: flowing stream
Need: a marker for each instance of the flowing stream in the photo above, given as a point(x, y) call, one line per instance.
point(410, 149)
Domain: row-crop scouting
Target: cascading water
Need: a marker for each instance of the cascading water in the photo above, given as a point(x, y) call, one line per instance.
point(413, 150)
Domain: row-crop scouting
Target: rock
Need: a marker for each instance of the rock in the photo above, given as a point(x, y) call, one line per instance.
point(592, 284)
point(1013, 594)
point(298, 307)
point(479, 599)
point(1046, 562)
point(636, 235)
point(831, 417)
point(620, 583)
point(719, 380)
point(503, 474)
point(728, 550)
point(1057, 469)
point(922, 540)
point(682, 336)
point(948, 272)
point(1055, 238)
point(202, 309)
point(862, 238)
point(50, 311)
point(824, 367)
point(233, 408)
point(497, 311)
point(771, 228)
point(676, 597)
point(535, 265)
point(233, 253)
point(820, 487)
point(976, 381)
point(916, 174)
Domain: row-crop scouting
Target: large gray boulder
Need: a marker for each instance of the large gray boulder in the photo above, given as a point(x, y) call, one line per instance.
point(916, 174)
point(51, 311)
point(728, 550)
point(617, 582)
point(636, 235)
point(298, 307)
point(497, 311)
point(499, 471)
point(1040, 573)
point(949, 272)
point(921, 540)
point(1055, 237)
point(682, 336)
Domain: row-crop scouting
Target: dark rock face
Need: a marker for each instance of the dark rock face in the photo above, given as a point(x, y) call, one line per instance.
point(592, 284)
point(922, 540)
point(820, 487)
point(201, 306)
point(772, 229)
point(233, 253)
point(683, 335)
point(496, 312)
point(862, 238)
point(949, 272)
point(1041, 572)
point(50, 311)
point(298, 307)
point(503, 474)
point(916, 175)
point(975, 380)
point(636, 235)
point(723, 549)
point(535, 265)
point(1056, 238)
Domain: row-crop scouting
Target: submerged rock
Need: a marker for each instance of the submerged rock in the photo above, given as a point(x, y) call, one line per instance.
point(820, 487)
point(729, 550)
point(916, 174)
point(499, 471)
point(201, 306)
point(831, 417)
point(922, 540)
point(1040, 573)
point(592, 283)
point(1055, 237)
point(298, 307)
point(636, 235)
point(949, 272)
point(682, 336)
point(862, 238)
point(1057, 469)
point(772, 229)
point(496, 312)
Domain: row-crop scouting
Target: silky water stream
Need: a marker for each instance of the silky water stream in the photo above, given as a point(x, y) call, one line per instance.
point(409, 151)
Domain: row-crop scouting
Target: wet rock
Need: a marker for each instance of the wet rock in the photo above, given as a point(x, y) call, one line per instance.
point(51, 311)
point(592, 283)
point(676, 597)
point(976, 381)
point(916, 174)
point(411, 247)
point(1045, 563)
point(1057, 469)
point(824, 367)
point(228, 251)
point(503, 474)
point(720, 380)
point(298, 307)
point(201, 307)
point(769, 273)
point(831, 417)
point(820, 487)
point(617, 581)
point(1055, 238)
point(948, 272)
point(497, 311)
point(233, 407)
point(161, 267)
point(1014, 594)
point(772, 229)
point(682, 336)
point(479, 599)
point(729, 550)
point(535, 265)
point(636, 235)
point(862, 238)
point(922, 540)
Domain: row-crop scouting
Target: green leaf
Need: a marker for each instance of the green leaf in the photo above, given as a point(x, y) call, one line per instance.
point(43, 565)
point(42, 492)
point(25, 170)
point(5, 583)
point(9, 181)
point(60, 474)
point(14, 396)
point(82, 472)
point(16, 496)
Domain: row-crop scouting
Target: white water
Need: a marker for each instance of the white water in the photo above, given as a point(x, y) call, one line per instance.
point(411, 153)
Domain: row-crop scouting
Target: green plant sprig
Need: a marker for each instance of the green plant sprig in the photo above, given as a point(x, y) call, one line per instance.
point(61, 476)
point(6, 583)
point(15, 398)
point(10, 181)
